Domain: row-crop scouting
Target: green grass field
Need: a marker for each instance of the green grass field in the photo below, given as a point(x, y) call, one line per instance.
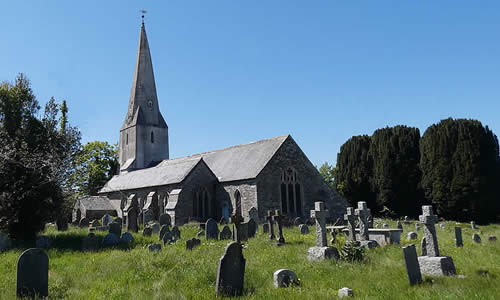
point(175, 273)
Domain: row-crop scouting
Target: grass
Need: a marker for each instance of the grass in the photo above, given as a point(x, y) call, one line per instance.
point(175, 273)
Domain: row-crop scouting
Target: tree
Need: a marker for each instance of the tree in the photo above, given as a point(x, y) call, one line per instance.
point(396, 173)
point(34, 160)
point(460, 169)
point(95, 164)
point(327, 171)
point(354, 170)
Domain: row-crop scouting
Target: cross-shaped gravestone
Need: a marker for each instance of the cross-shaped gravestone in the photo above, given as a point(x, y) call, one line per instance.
point(278, 218)
point(236, 220)
point(429, 220)
point(269, 220)
point(350, 218)
point(319, 214)
point(363, 212)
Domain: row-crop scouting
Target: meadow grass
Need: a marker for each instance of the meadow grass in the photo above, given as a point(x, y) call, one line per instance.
point(175, 273)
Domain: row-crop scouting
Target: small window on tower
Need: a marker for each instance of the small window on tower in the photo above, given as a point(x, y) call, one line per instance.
point(152, 137)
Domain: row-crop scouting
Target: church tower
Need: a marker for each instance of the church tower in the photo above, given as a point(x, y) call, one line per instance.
point(144, 133)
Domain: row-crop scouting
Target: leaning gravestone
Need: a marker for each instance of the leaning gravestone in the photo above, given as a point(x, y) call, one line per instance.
point(163, 230)
point(110, 240)
point(84, 222)
point(252, 228)
point(231, 271)
point(115, 228)
point(458, 237)
point(412, 266)
point(284, 278)
point(176, 233)
point(433, 264)
point(165, 220)
point(106, 220)
point(225, 234)
point(90, 243)
point(476, 238)
point(303, 229)
point(212, 230)
point(33, 274)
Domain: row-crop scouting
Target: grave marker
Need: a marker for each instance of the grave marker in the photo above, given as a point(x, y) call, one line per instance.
point(231, 271)
point(278, 218)
point(319, 214)
point(212, 230)
point(350, 218)
point(33, 274)
point(411, 264)
point(270, 224)
point(458, 237)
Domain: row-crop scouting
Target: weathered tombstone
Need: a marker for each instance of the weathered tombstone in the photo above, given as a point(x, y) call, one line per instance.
point(345, 292)
point(458, 237)
point(253, 214)
point(154, 247)
point(492, 238)
point(155, 228)
point(399, 225)
point(243, 232)
point(119, 221)
point(231, 271)
point(176, 233)
point(225, 233)
point(363, 212)
point(417, 227)
point(412, 236)
point(428, 219)
point(412, 266)
point(5, 242)
point(252, 228)
point(62, 223)
point(115, 228)
point(297, 221)
point(212, 230)
point(265, 228)
point(84, 222)
point(350, 218)
point(278, 218)
point(473, 225)
point(284, 278)
point(406, 220)
point(43, 242)
point(303, 229)
point(321, 253)
point(190, 244)
point(319, 214)
point(237, 220)
point(270, 224)
point(131, 211)
point(165, 220)
point(168, 238)
point(90, 243)
point(127, 238)
point(106, 220)
point(147, 231)
point(476, 238)
point(163, 230)
point(110, 239)
point(33, 274)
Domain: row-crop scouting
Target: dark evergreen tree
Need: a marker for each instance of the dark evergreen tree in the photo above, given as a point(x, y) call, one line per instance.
point(460, 166)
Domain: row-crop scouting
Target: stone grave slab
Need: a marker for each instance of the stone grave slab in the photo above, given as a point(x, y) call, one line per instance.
point(284, 278)
point(33, 274)
point(231, 271)
point(412, 265)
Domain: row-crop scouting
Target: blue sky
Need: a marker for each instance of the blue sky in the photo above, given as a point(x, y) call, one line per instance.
point(232, 72)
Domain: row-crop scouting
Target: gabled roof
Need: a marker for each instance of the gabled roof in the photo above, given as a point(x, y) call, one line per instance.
point(95, 203)
point(229, 164)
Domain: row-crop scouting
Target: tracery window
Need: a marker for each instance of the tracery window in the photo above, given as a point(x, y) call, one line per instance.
point(201, 204)
point(291, 193)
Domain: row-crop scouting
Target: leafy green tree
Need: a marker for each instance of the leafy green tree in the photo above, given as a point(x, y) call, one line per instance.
point(94, 165)
point(354, 170)
point(327, 171)
point(34, 160)
point(460, 169)
point(396, 173)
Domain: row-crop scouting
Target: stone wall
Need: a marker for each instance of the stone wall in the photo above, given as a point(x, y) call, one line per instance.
point(225, 193)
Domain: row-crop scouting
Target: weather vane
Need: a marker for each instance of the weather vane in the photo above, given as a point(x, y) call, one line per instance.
point(143, 12)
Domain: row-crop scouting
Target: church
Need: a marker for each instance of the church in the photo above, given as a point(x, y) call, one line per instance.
point(269, 174)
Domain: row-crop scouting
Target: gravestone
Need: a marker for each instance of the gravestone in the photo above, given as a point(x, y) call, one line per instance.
point(319, 214)
point(155, 228)
point(131, 211)
point(115, 228)
point(253, 214)
point(127, 238)
point(270, 224)
point(321, 253)
point(411, 264)
point(163, 230)
point(351, 227)
point(237, 220)
point(95, 223)
point(225, 234)
point(406, 220)
point(212, 230)
point(252, 228)
point(265, 228)
point(165, 220)
point(119, 221)
point(106, 220)
point(84, 222)
point(363, 212)
point(33, 274)
point(190, 244)
point(168, 238)
point(176, 233)
point(110, 240)
point(5, 242)
point(231, 272)
point(150, 208)
point(428, 219)
point(147, 231)
point(370, 221)
point(458, 237)
point(154, 247)
point(399, 225)
point(476, 238)
point(345, 292)
point(90, 243)
point(243, 232)
point(284, 278)
point(148, 216)
point(303, 229)
point(417, 227)
point(298, 221)
point(278, 218)
point(62, 224)
point(473, 225)
point(492, 238)
point(43, 242)
point(412, 236)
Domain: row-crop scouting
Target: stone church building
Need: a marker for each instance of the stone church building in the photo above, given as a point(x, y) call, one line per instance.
point(268, 174)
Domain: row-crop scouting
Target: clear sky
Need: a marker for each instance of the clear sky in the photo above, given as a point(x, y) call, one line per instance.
point(232, 72)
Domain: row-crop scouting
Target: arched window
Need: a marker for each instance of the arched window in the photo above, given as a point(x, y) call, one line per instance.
point(237, 203)
point(291, 197)
point(202, 204)
point(152, 137)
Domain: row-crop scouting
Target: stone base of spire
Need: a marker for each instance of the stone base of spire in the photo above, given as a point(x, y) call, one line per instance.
point(437, 266)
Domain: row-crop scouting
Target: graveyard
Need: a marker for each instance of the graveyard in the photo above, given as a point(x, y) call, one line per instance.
point(132, 271)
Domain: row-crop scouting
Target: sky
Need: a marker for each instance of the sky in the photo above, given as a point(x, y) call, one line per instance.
point(232, 72)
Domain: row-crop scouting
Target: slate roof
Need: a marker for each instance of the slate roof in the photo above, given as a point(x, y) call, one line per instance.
point(229, 164)
point(95, 203)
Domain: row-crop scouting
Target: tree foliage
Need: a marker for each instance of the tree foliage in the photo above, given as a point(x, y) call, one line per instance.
point(35, 159)
point(94, 165)
point(328, 171)
point(461, 167)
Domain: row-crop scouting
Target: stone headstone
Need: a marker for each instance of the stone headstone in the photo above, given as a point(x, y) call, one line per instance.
point(127, 238)
point(492, 238)
point(231, 271)
point(176, 233)
point(90, 243)
point(115, 228)
point(458, 237)
point(265, 228)
point(163, 230)
point(411, 264)
point(212, 230)
point(5, 242)
point(297, 221)
point(253, 214)
point(345, 292)
point(62, 224)
point(242, 232)
point(428, 219)
point(437, 266)
point(252, 228)
point(399, 225)
point(284, 278)
point(321, 253)
point(155, 228)
point(84, 222)
point(131, 211)
point(363, 212)
point(351, 227)
point(148, 216)
point(476, 238)
point(278, 219)
point(147, 231)
point(303, 229)
point(412, 236)
point(473, 225)
point(319, 214)
point(106, 220)
point(225, 234)
point(190, 244)
point(95, 223)
point(165, 220)
point(154, 247)
point(43, 242)
point(406, 220)
point(168, 238)
point(33, 274)
point(270, 224)
point(110, 240)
